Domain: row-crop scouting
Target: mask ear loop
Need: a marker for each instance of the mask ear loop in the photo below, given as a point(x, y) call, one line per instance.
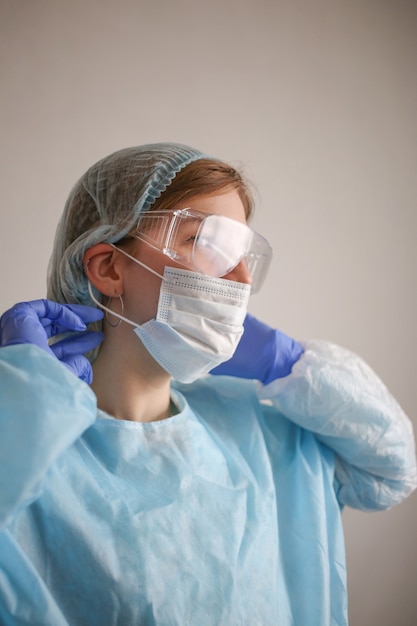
point(132, 258)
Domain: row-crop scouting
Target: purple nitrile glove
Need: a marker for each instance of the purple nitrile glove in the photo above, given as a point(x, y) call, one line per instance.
point(263, 353)
point(36, 321)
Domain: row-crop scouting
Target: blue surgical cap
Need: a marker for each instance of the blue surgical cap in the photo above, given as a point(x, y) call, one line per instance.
point(105, 205)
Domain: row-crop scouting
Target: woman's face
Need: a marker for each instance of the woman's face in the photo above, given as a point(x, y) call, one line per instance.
point(141, 287)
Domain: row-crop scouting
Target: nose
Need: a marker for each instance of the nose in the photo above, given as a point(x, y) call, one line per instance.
point(240, 274)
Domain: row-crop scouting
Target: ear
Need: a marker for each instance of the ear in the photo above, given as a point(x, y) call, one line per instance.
point(102, 266)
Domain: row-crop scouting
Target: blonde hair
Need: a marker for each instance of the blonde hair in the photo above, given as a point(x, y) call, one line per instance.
point(205, 177)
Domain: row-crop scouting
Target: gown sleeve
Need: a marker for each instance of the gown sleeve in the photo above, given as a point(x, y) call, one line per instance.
point(44, 408)
point(334, 394)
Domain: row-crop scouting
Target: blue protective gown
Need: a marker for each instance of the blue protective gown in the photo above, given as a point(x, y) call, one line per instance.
point(228, 513)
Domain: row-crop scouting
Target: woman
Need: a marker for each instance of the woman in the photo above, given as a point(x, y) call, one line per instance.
point(158, 494)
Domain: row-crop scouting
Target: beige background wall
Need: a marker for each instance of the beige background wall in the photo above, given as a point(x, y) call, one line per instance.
point(318, 100)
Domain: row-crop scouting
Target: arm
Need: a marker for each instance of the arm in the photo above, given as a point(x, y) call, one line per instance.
point(333, 393)
point(44, 408)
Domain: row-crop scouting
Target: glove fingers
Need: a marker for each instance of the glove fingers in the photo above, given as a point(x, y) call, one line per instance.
point(76, 345)
point(263, 353)
point(36, 321)
point(80, 366)
point(20, 324)
point(58, 318)
point(87, 313)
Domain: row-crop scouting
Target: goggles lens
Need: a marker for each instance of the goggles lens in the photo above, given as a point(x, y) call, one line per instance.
point(209, 244)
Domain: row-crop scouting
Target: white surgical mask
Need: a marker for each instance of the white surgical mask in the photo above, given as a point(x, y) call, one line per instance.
point(198, 324)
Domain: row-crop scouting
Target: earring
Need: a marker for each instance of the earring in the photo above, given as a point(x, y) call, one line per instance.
point(122, 311)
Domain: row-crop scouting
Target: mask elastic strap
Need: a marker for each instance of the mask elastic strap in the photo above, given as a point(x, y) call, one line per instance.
point(104, 307)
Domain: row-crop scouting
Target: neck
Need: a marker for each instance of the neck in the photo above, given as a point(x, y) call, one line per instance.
point(127, 381)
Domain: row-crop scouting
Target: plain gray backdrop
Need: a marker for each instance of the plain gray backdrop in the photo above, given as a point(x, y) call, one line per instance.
point(317, 100)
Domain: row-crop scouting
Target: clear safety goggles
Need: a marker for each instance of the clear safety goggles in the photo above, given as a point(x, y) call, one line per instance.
point(209, 244)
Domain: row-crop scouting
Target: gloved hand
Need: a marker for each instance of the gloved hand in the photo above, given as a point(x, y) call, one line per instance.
point(263, 353)
point(36, 321)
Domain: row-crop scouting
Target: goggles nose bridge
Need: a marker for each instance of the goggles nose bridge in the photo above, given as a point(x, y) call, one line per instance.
point(244, 258)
